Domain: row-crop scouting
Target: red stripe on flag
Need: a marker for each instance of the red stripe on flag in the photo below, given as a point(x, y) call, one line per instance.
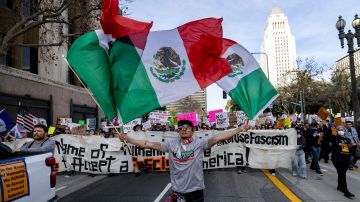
point(203, 43)
point(119, 26)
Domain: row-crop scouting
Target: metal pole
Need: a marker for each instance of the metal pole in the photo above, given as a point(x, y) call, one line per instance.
point(267, 61)
point(354, 94)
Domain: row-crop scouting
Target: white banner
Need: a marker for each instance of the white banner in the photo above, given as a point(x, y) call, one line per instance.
point(129, 126)
point(266, 149)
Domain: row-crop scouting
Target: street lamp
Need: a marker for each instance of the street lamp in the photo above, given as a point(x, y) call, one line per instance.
point(340, 25)
point(267, 61)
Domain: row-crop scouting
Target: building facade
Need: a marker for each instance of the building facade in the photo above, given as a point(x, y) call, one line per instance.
point(343, 63)
point(198, 97)
point(38, 78)
point(279, 45)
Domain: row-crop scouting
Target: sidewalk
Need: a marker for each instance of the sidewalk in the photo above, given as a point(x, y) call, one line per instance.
point(323, 188)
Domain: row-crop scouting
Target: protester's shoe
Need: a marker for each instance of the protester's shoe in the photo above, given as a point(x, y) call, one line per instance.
point(319, 173)
point(304, 177)
point(294, 174)
point(348, 194)
point(356, 166)
point(239, 171)
point(137, 174)
point(340, 189)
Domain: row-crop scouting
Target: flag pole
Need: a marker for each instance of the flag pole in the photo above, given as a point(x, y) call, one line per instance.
point(90, 93)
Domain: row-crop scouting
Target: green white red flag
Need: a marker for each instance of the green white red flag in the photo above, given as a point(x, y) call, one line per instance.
point(247, 85)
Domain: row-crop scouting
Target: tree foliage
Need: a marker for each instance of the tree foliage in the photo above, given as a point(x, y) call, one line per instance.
point(231, 106)
point(74, 17)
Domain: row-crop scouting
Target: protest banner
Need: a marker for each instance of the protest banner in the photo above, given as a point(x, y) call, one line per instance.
point(323, 113)
point(95, 154)
point(222, 120)
point(191, 116)
point(91, 124)
point(212, 118)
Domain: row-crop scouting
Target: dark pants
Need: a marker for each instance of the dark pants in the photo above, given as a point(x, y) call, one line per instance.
point(195, 196)
point(353, 157)
point(341, 168)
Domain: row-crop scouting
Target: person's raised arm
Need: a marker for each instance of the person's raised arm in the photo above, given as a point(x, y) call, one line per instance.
point(140, 143)
point(226, 135)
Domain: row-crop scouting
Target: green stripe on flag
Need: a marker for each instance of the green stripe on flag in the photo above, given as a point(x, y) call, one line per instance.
point(133, 92)
point(253, 93)
point(91, 63)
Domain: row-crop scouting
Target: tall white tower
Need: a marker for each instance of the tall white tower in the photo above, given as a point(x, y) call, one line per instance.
point(279, 45)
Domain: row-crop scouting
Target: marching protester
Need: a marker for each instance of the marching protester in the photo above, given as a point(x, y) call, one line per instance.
point(340, 156)
point(355, 144)
point(185, 158)
point(41, 142)
point(315, 141)
point(325, 143)
point(308, 137)
point(298, 163)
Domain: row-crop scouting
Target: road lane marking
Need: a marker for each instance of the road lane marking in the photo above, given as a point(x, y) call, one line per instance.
point(289, 194)
point(60, 188)
point(161, 195)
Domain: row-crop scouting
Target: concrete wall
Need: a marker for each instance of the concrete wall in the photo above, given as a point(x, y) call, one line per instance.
point(17, 82)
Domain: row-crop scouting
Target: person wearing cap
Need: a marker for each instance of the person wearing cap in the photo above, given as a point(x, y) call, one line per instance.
point(298, 162)
point(355, 143)
point(340, 157)
point(186, 158)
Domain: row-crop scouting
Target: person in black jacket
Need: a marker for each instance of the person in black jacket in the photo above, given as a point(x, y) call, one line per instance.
point(340, 156)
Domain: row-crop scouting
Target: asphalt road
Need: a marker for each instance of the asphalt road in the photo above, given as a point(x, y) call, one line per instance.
point(221, 185)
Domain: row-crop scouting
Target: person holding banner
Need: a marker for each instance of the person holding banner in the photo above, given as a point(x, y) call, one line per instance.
point(186, 158)
point(340, 156)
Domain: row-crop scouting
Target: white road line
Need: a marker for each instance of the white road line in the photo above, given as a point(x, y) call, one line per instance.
point(161, 195)
point(60, 188)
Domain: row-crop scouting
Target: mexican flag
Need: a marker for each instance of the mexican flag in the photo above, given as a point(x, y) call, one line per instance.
point(174, 64)
point(90, 59)
point(247, 85)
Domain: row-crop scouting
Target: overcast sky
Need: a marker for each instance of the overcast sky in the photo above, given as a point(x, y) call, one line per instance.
point(312, 22)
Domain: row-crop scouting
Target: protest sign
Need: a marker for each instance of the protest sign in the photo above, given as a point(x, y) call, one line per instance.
point(323, 113)
point(222, 120)
point(65, 121)
point(81, 122)
point(240, 117)
point(212, 118)
point(95, 154)
point(129, 126)
point(160, 117)
point(338, 121)
point(191, 116)
point(91, 124)
point(280, 123)
point(79, 130)
point(51, 130)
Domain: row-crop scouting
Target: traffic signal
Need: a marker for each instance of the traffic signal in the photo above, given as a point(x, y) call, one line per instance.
point(224, 95)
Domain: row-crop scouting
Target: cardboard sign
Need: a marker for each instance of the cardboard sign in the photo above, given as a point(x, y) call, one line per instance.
point(338, 122)
point(212, 114)
point(280, 123)
point(14, 180)
point(65, 121)
point(191, 116)
point(222, 120)
point(323, 113)
point(79, 130)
